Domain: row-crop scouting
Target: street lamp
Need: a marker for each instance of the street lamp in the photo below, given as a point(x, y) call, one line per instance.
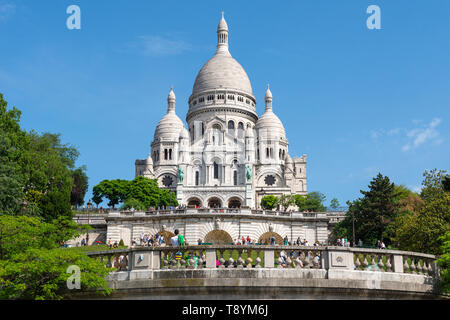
point(353, 223)
point(89, 206)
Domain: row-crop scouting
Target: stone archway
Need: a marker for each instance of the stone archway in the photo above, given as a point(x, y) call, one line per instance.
point(214, 202)
point(218, 237)
point(265, 238)
point(234, 202)
point(167, 235)
point(194, 202)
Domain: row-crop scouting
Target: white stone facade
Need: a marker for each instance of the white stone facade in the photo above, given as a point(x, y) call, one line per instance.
point(228, 156)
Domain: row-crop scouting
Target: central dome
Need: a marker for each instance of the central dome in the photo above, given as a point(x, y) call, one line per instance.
point(222, 72)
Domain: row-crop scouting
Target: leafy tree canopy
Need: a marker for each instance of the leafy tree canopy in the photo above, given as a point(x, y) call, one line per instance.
point(140, 191)
point(269, 202)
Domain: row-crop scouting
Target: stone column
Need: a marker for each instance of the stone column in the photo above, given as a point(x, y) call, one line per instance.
point(211, 258)
point(269, 259)
point(397, 263)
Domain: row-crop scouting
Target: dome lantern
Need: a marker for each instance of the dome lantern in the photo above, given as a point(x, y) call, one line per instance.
point(222, 37)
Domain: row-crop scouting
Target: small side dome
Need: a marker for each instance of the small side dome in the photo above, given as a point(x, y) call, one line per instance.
point(269, 124)
point(170, 125)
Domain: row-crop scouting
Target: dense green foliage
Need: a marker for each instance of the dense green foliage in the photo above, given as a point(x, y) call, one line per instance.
point(422, 228)
point(286, 200)
point(444, 262)
point(80, 186)
point(401, 218)
point(334, 203)
point(38, 179)
point(269, 202)
point(33, 266)
point(37, 172)
point(312, 202)
point(139, 193)
point(371, 213)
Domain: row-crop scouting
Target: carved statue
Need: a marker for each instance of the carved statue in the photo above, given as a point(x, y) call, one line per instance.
point(249, 173)
point(180, 175)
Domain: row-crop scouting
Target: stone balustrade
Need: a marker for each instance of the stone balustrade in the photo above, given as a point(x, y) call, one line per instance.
point(262, 271)
point(234, 211)
point(264, 256)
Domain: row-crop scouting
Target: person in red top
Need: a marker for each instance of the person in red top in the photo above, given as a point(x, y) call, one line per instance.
point(248, 239)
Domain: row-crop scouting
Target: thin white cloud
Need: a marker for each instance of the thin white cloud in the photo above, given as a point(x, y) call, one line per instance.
point(419, 136)
point(161, 46)
point(7, 9)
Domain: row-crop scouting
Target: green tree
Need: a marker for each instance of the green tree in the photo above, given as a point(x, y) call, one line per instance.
point(10, 182)
point(334, 203)
point(286, 200)
point(422, 229)
point(133, 203)
point(372, 213)
point(444, 262)
point(300, 202)
point(269, 202)
point(314, 202)
point(113, 190)
point(32, 266)
point(144, 190)
point(80, 186)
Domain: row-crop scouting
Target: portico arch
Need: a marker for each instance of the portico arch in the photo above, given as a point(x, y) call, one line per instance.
point(265, 238)
point(234, 202)
point(218, 237)
point(194, 202)
point(214, 202)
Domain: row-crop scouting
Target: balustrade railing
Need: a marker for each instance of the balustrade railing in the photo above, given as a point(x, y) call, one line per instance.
point(224, 210)
point(262, 256)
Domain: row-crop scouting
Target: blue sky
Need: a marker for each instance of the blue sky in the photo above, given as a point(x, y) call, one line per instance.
point(356, 101)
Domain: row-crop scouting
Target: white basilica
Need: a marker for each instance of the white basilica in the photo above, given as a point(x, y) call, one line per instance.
point(227, 156)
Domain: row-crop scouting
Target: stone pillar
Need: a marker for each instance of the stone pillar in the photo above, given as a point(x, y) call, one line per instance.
point(211, 258)
point(180, 192)
point(397, 263)
point(249, 201)
point(336, 258)
point(269, 259)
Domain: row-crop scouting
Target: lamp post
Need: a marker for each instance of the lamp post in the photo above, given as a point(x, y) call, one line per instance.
point(89, 206)
point(353, 225)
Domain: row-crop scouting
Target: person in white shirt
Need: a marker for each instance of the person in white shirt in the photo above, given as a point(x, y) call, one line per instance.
point(174, 239)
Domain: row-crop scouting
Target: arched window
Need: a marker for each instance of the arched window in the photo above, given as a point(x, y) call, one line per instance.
point(197, 178)
point(257, 154)
point(267, 153)
point(231, 128)
point(216, 171)
point(235, 177)
point(240, 130)
point(165, 154)
point(170, 154)
point(203, 129)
